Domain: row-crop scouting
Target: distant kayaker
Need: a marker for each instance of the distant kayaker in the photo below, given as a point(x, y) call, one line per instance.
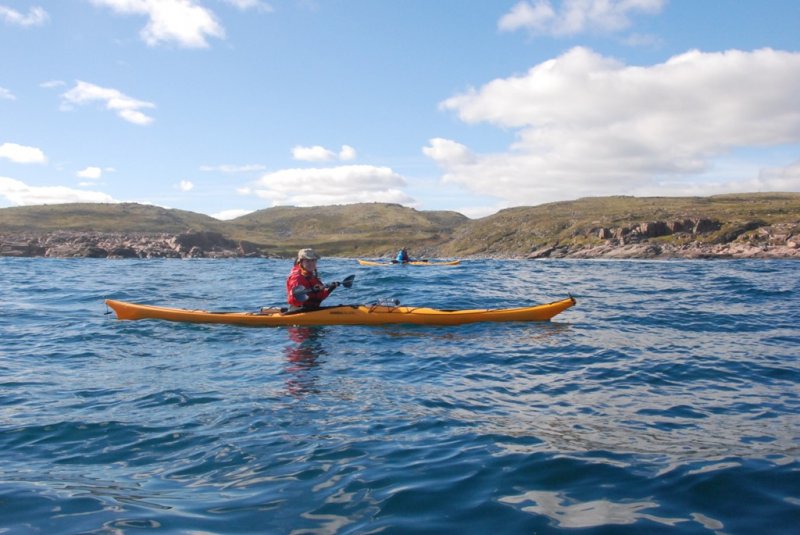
point(305, 291)
point(402, 256)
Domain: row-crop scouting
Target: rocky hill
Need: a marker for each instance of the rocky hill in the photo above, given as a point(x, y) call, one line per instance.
point(106, 218)
point(132, 230)
point(742, 225)
point(724, 226)
point(366, 229)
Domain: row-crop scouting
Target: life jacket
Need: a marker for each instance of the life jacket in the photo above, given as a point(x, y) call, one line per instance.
point(300, 277)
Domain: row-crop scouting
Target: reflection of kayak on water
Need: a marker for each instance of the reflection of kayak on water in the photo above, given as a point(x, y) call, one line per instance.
point(411, 263)
point(343, 315)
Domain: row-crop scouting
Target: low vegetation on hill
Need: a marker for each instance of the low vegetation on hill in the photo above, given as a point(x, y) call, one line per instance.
point(589, 227)
point(592, 221)
point(367, 229)
point(98, 217)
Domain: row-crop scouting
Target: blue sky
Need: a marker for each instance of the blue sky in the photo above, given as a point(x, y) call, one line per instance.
point(228, 106)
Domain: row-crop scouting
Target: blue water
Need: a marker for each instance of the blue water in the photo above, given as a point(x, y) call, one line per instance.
point(667, 400)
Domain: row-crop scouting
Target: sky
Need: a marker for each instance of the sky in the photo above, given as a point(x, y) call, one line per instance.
point(224, 107)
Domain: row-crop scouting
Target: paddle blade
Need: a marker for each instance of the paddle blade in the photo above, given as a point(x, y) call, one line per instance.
point(348, 281)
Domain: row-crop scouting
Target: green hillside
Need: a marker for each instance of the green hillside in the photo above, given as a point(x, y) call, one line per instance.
point(367, 229)
point(97, 217)
point(517, 231)
point(375, 229)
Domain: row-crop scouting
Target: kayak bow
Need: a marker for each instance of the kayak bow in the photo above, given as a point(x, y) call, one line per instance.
point(343, 315)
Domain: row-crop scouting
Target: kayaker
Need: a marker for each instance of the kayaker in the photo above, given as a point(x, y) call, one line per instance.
point(304, 275)
point(402, 256)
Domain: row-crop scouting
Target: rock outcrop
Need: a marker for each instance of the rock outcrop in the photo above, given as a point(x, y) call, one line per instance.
point(656, 229)
point(203, 244)
point(700, 238)
point(688, 239)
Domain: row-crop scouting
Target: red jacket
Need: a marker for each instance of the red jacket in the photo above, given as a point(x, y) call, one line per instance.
point(300, 277)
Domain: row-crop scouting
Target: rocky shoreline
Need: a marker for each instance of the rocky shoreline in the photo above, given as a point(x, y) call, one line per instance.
point(653, 240)
point(688, 239)
point(65, 244)
point(657, 251)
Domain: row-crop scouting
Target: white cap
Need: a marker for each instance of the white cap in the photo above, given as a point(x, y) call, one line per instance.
point(307, 254)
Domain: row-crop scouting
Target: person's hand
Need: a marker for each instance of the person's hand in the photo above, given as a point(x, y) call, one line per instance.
point(334, 285)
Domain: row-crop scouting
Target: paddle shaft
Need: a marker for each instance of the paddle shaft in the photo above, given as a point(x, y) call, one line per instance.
point(300, 291)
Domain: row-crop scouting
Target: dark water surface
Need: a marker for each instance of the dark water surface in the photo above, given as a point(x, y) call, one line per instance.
point(667, 401)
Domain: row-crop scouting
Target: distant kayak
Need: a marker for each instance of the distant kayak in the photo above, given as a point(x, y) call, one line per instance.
point(411, 263)
point(343, 315)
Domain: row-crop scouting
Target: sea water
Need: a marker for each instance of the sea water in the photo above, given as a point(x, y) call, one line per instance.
point(667, 400)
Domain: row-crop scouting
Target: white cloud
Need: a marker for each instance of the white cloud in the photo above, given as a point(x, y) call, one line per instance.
point(50, 84)
point(125, 106)
point(447, 152)
point(318, 153)
point(21, 153)
point(779, 178)
point(92, 173)
point(245, 5)
point(21, 194)
point(313, 154)
point(185, 185)
point(336, 185)
point(226, 168)
point(227, 215)
point(184, 22)
point(527, 15)
point(575, 16)
point(36, 16)
point(590, 125)
point(347, 153)
point(5, 94)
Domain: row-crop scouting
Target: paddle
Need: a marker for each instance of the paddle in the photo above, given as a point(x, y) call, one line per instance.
point(410, 260)
point(301, 293)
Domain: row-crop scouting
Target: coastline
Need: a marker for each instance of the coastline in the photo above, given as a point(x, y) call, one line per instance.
point(698, 251)
point(113, 245)
point(205, 244)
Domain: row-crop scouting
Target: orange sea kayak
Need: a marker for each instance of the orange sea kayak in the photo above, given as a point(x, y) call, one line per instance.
point(411, 263)
point(343, 315)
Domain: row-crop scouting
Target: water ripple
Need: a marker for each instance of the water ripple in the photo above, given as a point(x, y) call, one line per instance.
point(662, 402)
